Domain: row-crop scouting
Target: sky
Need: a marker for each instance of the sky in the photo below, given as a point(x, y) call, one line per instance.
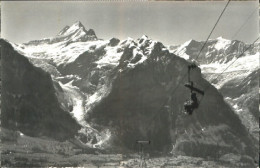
point(172, 23)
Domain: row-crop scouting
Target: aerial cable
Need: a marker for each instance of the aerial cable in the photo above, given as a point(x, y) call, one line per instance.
point(231, 64)
point(240, 54)
point(213, 29)
point(236, 59)
point(174, 90)
point(200, 53)
point(235, 34)
point(205, 41)
point(193, 103)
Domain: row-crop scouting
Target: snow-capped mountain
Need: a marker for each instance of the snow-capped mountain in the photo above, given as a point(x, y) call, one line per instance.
point(121, 91)
point(30, 101)
point(218, 51)
point(225, 64)
point(74, 33)
point(56, 48)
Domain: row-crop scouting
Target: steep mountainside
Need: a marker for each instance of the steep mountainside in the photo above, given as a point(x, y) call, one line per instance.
point(122, 91)
point(29, 102)
point(239, 82)
point(244, 98)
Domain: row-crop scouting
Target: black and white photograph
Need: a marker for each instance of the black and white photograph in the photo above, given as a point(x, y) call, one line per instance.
point(130, 84)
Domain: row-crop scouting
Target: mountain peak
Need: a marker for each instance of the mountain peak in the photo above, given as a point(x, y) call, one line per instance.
point(189, 43)
point(74, 33)
point(76, 26)
point(77, 32)
point(91, 32)
point(144, 37)
point(220, 38)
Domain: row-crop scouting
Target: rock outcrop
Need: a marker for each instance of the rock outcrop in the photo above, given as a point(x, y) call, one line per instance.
point(29, 101)
point(130, 90)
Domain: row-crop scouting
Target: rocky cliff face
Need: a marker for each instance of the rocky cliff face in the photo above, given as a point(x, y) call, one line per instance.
point(29, 101)
point(239, 81)
point(154, 111)
point(243, 96)
point(123, 91)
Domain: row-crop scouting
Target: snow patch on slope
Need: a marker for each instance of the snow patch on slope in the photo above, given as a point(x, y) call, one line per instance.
point(77, 100)
point(59, 53)
point(181, 51)
point(249, 62)
point(69, 30)
point(143, 47)
point(79, 112)
point(96, 97)
point(111, 57)
point(222, 43)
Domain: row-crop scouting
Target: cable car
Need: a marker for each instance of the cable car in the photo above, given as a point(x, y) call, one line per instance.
point(192, 104)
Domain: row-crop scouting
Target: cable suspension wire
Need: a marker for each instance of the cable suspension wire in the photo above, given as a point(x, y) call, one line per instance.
point(235, 34)
point(213, 29)
point(240, 55)
point(236, 59)
point(221, 74)
point(205, 41)
point(242, 26)
point(174, 90)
